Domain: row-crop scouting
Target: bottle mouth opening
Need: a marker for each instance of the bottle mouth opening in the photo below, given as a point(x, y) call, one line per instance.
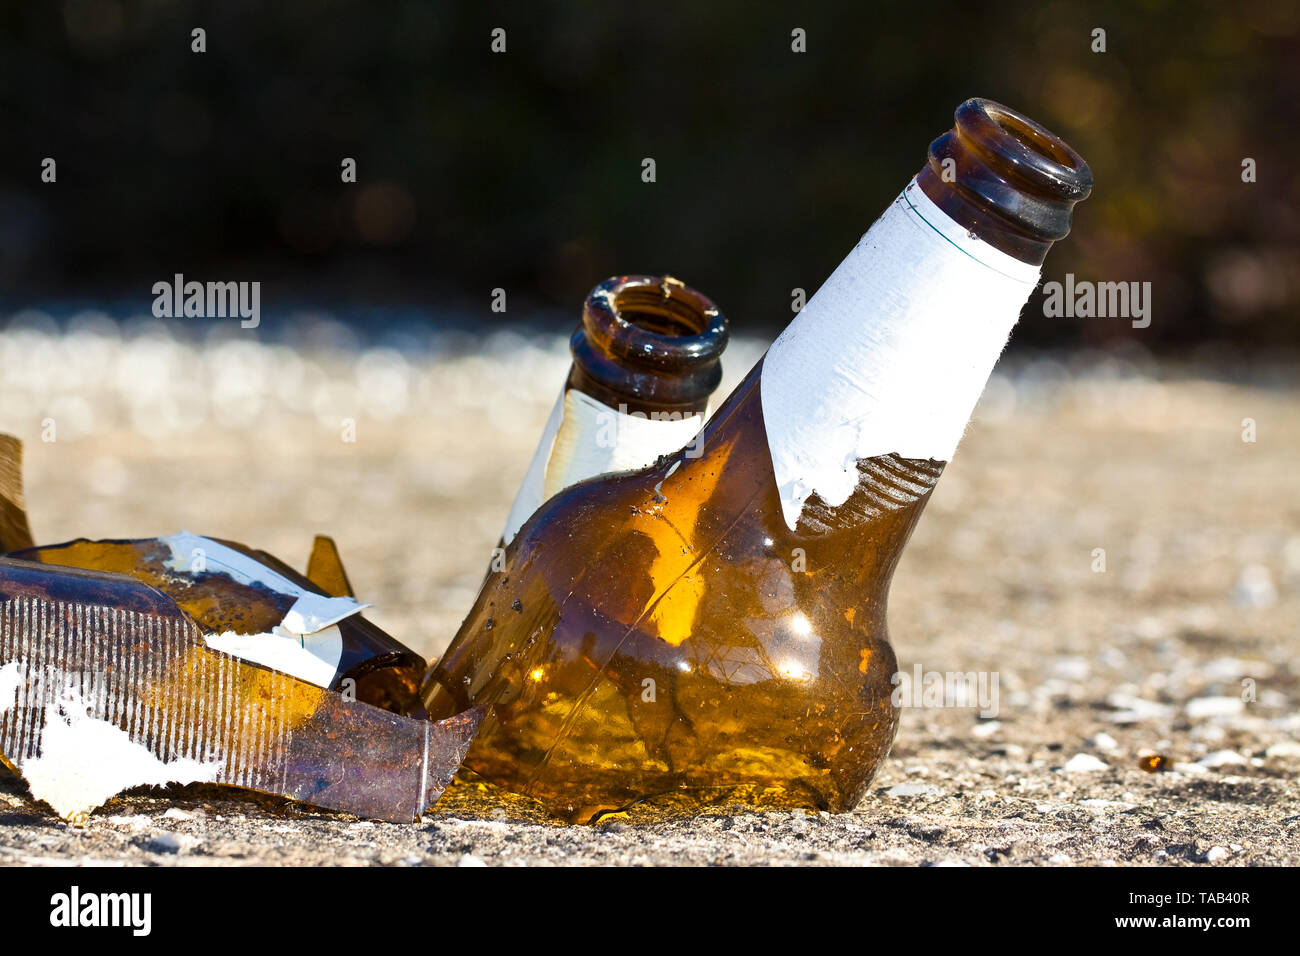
point(998, 167)
point(654, 320)
point(662, 309)
point(1024, 148)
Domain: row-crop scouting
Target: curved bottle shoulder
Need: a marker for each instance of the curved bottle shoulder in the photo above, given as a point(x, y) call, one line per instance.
point(689, 563)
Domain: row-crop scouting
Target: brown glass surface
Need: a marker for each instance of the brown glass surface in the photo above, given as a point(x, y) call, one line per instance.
point(325, 568)
point(385, 673)
point(15, 532)
point(648, 344)
point(1005, 178)
point(663, 635)
point(771, 674)
point(139, 663)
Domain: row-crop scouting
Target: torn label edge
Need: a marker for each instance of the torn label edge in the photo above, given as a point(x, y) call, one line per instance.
point(11, 681)
point(310, 613)
point(311, 657)
point(891, 354)
point(585, 437)
point(307, 644)
point(85, 760)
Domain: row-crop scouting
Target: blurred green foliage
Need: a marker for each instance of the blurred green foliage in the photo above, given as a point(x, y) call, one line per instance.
point(522, 170)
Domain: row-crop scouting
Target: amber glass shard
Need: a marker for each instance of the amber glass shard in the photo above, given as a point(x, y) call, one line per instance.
point(110, 685)
point(14, 530)
point(325, 568)
point(362, 660)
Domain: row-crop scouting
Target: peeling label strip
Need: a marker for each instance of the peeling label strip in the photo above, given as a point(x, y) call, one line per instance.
point(307, 643)
point(310, 613)
point(584, 438)
point(891, 354)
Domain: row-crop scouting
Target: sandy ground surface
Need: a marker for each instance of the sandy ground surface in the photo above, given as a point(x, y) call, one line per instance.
point(1185, 645)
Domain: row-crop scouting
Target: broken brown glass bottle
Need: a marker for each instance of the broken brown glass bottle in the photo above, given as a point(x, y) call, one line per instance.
point(646, 358)
point(106, 684)
point(252, 605)
point(246, 602)
point(717, 624)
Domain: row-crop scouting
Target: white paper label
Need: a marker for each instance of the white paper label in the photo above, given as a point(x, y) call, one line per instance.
point(891, 354)
point(85, 760)
point(306, 644)
point(584, 438)
point(311, 657)
point(10, 682)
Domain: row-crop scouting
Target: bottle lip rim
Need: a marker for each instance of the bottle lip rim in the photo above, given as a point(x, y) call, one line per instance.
point(1050, 163)
point(604, 320)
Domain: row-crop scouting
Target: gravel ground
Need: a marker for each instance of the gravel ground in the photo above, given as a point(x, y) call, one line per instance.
point(1184, 646)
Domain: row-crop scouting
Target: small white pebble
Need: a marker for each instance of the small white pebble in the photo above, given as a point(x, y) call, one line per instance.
point(1201, 707)
point(137, 823)
point(1112, 657)
point(1103, 741)
point(1286, 749)
point(469, 859)
point(1059, 859)
point(913, 790)
point(1255, 587)
point(986, 728)
point(1084, 763)
point(1211, 733)
point(1100, 805)
point(1225, 669)
point(175, 813)
point(1071, 668)
point(1132, 710)
point(1216, 854)
point(1150, 628)
point(1222, 758)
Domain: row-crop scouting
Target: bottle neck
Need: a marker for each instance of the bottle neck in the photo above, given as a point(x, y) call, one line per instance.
point(645, 362)
point(891, 354)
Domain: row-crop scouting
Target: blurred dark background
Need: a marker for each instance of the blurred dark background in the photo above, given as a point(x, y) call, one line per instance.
point(522, 170)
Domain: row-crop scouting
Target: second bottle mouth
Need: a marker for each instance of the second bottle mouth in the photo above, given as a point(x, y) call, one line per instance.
point(651, 343)
point(654, 320)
